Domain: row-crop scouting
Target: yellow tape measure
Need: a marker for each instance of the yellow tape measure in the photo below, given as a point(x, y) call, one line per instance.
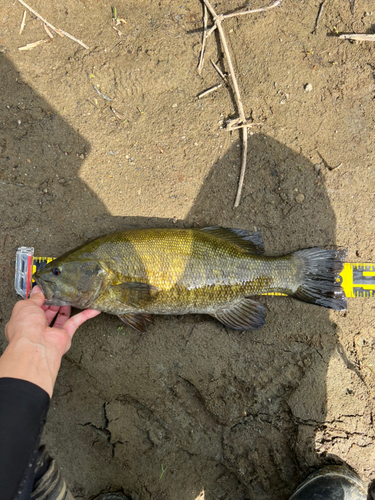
point(39, 262)
point(356, 279)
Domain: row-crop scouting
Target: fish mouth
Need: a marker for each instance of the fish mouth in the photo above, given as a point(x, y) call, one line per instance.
point(48, 292)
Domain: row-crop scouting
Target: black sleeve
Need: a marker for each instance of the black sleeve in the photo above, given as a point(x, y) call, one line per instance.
point(23, 411)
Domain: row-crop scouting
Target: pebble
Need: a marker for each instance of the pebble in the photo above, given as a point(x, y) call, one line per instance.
point(308, 87)
point(299, 198)
point(318, 167)
point(284, 196)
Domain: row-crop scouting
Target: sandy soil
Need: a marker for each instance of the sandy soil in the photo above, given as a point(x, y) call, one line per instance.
point(225, 414)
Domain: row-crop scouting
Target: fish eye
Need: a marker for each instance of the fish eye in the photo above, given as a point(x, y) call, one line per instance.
point(56, 271)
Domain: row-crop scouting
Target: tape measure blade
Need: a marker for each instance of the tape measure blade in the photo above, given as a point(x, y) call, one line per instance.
point(39, 263)
point(358, 279)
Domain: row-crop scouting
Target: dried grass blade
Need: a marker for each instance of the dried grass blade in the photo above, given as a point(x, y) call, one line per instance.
point(31, 46)
point(23, 22)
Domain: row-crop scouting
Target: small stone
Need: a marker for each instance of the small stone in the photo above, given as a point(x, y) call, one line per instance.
point(284, 196)
point(299, 198)
point(318, 167)
point(308, 87)
point(153, 437)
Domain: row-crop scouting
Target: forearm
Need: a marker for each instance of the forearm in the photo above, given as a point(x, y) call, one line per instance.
point(27, 360)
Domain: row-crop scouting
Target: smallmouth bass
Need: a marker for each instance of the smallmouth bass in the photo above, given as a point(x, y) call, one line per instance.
point(140, 272)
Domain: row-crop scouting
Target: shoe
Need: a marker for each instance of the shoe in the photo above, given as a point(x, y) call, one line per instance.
point(48, 482)
point(334, 482)
point(50, 485)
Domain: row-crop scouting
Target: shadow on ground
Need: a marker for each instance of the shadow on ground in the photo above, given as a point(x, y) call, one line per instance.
point(189, 406)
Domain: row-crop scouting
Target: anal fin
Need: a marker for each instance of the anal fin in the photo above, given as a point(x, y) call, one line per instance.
point(245, 315)
point(137, 321)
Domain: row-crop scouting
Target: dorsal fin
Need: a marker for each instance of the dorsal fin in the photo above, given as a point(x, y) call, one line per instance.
point(251, 242)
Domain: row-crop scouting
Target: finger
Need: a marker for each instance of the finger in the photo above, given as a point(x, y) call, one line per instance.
point(6, 331)
point(75, 321)
point(62, 316)
point(50, 313)
point(37, 296)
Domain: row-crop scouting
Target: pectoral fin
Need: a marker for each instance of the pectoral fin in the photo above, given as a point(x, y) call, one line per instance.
point(136, 321)
point(134, 293)
point(246, 315)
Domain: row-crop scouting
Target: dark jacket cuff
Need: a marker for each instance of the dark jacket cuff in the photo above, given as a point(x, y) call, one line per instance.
point(23, 411)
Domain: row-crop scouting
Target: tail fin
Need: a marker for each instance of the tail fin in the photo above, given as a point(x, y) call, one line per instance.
point(320, 273)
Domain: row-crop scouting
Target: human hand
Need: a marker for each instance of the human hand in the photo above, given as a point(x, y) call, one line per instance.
point(35, 349)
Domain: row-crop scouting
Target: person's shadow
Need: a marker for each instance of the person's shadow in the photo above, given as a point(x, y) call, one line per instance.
point(190, 405)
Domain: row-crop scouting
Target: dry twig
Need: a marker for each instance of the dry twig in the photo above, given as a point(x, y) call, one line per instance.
point(59, 32)
point(253, 11)
point(102, 95)
point(359, 37)
point(204, 39)
point(241, 121)
point(236, 124)
point(46, 29)
point(209, 91)
point(31, 46)
point(219, 71)
point(23, 22)
point(118, 115)
point(318, 17)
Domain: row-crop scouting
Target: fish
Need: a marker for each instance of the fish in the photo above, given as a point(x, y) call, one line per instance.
point(138, 273)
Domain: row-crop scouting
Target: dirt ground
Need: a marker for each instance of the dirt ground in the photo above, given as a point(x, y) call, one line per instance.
point(191, 410)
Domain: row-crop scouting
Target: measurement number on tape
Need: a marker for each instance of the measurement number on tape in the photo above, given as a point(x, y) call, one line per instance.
point(358, 280)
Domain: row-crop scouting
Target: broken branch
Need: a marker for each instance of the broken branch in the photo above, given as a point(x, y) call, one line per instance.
point(241, 121)
point(59, 32)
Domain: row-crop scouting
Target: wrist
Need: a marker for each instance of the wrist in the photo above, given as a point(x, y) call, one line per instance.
point(27, 360)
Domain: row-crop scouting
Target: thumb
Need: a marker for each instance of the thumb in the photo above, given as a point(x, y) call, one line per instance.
point(37, 296)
